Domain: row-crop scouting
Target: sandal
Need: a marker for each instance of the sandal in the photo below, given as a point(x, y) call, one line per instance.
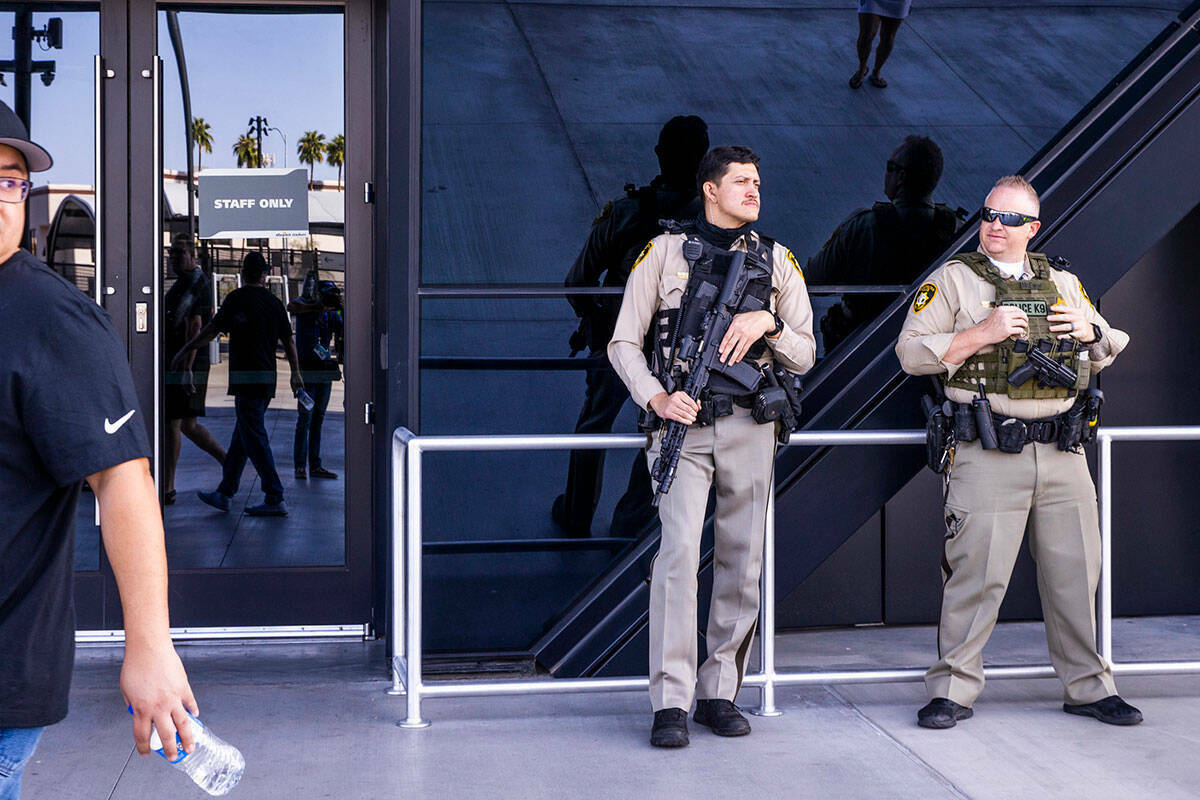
point(857, 79)
point(878, 82)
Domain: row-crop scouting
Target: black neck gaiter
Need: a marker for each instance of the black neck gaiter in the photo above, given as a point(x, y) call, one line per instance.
point(720, 237)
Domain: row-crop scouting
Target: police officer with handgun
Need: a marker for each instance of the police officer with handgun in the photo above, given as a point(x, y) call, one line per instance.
point(725, 314)
point(1013, 338)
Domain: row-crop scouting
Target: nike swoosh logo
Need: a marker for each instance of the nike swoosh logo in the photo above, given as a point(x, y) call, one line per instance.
point(112, 427)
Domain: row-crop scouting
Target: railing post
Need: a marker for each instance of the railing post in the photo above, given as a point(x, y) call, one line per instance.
point(413, 539)
point(766, 615)
point(396, 624)
point(1104, 472)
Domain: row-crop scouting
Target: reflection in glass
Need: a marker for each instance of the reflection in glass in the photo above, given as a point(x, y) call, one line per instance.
point(891, 243)
point(527, 132)
point(284, 117)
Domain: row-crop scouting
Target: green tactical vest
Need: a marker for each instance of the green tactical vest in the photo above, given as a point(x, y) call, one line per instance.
point(1034, 297)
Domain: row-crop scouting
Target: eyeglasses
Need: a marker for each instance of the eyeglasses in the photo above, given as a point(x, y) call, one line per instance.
point(14, 190)
point(892, 166)
point(1009, 219)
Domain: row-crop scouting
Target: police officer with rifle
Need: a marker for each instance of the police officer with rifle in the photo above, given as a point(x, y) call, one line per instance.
point(1012, 337)
point(725, 315)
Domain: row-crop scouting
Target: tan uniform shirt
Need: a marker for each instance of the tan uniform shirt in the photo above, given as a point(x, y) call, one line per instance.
point(659, 280)
point(962, 300)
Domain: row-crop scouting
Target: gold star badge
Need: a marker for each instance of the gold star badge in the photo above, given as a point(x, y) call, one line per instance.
point(924, 297)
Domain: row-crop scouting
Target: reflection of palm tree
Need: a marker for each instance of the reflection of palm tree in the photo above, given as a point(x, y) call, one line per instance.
point(246, 150)
point(312, 151)
point(335, 155)
point(202, 137)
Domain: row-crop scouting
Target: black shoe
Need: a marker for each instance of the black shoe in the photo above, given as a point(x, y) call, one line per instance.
point(941, 712)
point(1111, 709)
point(215, 499)
point(301, 475)
point(321, 472)
point(722, 716)
point(268, 508)
point(670, 728)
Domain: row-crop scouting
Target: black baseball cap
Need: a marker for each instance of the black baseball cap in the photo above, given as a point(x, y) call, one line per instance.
point(14, 134)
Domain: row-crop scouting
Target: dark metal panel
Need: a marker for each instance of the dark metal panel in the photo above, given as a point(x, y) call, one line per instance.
point(847, 589)
point(228, 598)
point(135, 170)
point(1156, 553)
point(360, 292)
point(398, 216)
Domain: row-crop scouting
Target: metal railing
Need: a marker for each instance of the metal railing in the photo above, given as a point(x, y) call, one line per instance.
point(404, 633)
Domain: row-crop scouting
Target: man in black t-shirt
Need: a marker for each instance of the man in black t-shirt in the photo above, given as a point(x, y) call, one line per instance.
point(255, 320)
point(69, 413)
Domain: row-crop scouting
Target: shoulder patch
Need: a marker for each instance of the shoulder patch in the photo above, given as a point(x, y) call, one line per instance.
point(924, 297)
point(604, 212)
point(642, 255)
point(792, 260)
point(1083, 292)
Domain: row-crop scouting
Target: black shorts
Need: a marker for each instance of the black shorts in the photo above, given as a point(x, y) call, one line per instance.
point(181, 402)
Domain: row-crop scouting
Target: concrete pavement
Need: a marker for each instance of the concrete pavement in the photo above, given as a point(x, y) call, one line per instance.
point(314, 721)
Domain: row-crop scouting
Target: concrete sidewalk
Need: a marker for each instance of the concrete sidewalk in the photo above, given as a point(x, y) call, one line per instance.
point(313, 721)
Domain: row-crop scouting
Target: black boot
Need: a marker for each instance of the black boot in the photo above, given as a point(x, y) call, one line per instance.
point(1111, 709)
point(722, 716)
point(941, 712)
point(670, 728)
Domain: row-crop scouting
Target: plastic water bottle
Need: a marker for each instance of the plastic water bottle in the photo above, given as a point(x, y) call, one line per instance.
point(214, 764)
point(304, 400)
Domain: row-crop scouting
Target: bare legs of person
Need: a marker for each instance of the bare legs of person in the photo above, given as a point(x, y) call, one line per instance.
point(870, 25)
point(200, 436)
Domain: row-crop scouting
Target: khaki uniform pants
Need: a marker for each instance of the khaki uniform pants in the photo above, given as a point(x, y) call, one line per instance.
point(736, 455)
point(992, 497)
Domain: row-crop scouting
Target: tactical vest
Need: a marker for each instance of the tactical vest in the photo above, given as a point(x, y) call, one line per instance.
point(1034, 297)
point(711, 265)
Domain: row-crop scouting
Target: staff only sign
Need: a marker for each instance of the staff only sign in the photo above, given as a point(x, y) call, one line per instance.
point(253, 203)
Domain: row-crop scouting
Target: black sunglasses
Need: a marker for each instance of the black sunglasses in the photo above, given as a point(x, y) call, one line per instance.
point(892, 166)
point(1009, 219)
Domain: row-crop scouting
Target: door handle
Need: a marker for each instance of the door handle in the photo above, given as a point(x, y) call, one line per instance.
point(99, 73)
point(156, 253)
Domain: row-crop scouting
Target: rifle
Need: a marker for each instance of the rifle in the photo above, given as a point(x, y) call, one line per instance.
point(702, 352)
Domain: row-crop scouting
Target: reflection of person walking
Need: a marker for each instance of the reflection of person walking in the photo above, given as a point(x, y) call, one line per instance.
point(617, 238)
point(318, 333)
point(188, 306)
point(882, 17)
point(255, 320)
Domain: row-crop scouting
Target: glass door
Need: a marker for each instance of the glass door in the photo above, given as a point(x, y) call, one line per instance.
point(242, 226)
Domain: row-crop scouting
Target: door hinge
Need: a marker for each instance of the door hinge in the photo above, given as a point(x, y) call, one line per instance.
point(369, 414)
point(368, 192)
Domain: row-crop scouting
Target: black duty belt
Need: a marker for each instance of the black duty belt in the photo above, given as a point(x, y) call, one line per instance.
point(1044, 431)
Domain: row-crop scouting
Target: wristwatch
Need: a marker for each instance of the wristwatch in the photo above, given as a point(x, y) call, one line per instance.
point(778, 329)
point(1098, 333)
